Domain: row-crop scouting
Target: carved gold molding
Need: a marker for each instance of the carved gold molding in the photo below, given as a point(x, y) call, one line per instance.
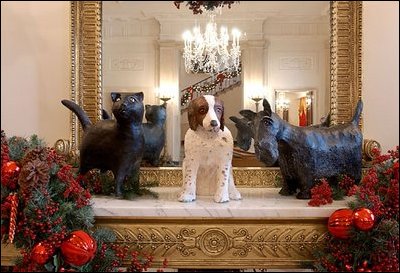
point(267, 177)
point(86, 47)
point(222, 243)
point(345, 47)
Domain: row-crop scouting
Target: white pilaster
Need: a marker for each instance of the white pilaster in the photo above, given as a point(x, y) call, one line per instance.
point(253, 72)
point(169, 82)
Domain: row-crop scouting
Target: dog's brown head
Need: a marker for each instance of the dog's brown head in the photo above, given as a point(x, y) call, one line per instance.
point(206, 111)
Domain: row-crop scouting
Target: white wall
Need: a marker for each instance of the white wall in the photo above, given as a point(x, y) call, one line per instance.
point(35, 70)
point(380, 77)
point(129, 57)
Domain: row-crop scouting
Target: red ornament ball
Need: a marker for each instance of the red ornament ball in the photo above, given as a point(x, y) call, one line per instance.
point(10, 168)
point(340, 223)
point(363, 219)
point(79, 248)
point(40, 253)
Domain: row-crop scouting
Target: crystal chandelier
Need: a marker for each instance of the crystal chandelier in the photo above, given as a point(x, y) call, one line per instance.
point(208, 52)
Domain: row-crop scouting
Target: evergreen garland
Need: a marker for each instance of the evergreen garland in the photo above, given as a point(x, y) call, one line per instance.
point(375, 249)
point(43, 202)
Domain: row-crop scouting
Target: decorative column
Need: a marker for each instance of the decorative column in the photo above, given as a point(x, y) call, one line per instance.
point(169, 83)
point(253, 73)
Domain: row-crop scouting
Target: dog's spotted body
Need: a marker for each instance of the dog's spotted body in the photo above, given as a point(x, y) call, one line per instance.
point(207, 166)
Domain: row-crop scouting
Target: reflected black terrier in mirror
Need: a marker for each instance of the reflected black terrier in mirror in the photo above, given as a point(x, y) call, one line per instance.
point(307, 154)
point(115, 145)
point(245, 128)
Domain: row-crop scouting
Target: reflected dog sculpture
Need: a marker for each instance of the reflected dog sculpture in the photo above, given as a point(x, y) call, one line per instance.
point(307, 154)
point(207, 166)
point(245, 128)
point(245, 134)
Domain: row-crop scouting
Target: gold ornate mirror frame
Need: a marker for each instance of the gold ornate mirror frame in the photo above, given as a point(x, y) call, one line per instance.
point(86, 49)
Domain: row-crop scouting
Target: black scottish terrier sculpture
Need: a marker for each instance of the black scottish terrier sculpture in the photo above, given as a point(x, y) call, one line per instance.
point(306, 154)
point(115, 145)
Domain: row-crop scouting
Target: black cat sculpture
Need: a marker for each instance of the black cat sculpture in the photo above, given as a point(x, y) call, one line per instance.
point(115, 145)
point(154, 133)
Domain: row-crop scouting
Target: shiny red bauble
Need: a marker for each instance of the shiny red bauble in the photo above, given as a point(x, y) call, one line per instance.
point(79, 248)
point(10, 168)
point(40, 253)
point(363, 219)
point(340, 223)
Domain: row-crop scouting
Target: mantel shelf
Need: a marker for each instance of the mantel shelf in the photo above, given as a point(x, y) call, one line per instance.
point(256, 203)
point(263, 230)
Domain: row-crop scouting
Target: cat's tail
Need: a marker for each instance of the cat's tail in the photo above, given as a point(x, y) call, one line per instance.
point(82, 116)
point(357, 113)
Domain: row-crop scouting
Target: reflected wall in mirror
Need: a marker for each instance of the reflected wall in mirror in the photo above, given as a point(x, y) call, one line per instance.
point(327, 57)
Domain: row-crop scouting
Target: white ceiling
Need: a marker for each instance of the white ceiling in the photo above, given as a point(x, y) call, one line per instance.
point(244, 10)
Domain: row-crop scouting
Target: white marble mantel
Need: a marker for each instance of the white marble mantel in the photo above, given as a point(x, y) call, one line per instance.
point(256, 203)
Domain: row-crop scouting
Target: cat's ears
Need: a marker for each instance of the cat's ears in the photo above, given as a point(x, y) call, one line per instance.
point(139, 95)
point(115, 96)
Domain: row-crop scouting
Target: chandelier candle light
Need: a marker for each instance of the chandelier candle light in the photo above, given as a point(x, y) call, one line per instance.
point(208, 52)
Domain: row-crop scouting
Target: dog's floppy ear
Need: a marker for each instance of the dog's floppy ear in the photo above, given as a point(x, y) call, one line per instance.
point(192, 117)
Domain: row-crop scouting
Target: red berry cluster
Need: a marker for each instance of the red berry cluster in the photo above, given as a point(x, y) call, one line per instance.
point(379, 192)
point(380, 186)
point(321, 194)
point(346, 184)
point(140, 262)
point(74, 189)
point(199, 6)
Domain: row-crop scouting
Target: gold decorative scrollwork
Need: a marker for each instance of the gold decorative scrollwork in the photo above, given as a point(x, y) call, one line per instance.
point(62, 146)
point(243, 176)
point(214, 242)
point(222, 242)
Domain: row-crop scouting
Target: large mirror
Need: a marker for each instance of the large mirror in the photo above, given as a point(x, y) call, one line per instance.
point(123, 46)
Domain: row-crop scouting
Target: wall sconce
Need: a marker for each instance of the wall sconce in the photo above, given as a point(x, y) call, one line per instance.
point(257, 96)
point(257, 101)
point(165, 94)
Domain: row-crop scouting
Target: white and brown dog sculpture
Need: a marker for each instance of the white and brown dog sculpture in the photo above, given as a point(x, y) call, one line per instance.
point(207, 166)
